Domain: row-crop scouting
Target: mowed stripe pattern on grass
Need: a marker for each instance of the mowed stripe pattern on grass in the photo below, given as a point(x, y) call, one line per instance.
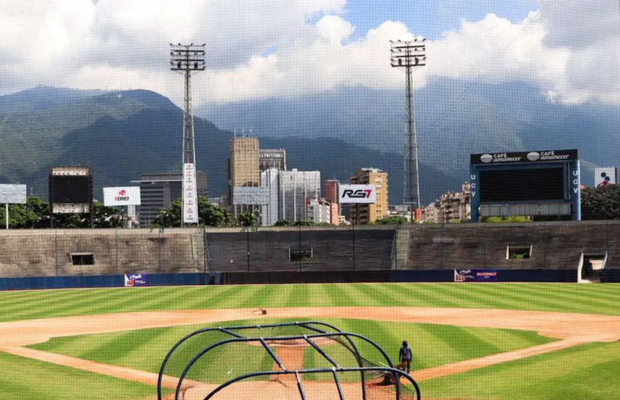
point(432, 345)
point(588, 299)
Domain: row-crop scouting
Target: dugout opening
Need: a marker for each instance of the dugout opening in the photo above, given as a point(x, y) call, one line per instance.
point(82, 258)
point(591, 267)
point(300, 255)
point(518, 252)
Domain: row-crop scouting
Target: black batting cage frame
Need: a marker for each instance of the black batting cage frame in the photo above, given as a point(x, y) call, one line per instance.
point(318, 330)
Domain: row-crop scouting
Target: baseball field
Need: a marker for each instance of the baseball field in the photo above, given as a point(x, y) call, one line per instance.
point(470, 341)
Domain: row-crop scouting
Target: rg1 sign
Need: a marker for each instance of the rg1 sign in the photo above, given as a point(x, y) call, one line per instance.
point(357, 194)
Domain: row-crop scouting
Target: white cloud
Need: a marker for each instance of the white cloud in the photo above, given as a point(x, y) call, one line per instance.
point(271, 48)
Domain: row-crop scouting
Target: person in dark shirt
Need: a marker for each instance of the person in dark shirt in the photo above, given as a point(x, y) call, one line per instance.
point(405, 356)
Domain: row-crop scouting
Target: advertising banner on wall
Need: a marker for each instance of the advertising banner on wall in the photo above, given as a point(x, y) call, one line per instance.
point(121, 196)
point(13, 194)
point(135, 280)
point(190, 194)
point(475, 275)
point(359, 194)
point(604, 176)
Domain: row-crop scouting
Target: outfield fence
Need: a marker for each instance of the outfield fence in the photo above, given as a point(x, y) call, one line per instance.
point(523, 252)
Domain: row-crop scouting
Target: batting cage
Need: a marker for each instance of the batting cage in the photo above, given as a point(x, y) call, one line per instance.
point(320, 365)
point(185, 349)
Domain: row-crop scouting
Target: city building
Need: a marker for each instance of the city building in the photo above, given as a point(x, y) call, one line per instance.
point(243, 169)
point(271, 158)
point(270, 211)
point(367, 213)
point(331, 189)
point(295, 187)
point(319, 211)
point(159, 190)
point(450, 207)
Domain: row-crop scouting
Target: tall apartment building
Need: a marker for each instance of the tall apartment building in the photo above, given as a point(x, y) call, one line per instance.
point(295, 187)
point(331, 189)
point(367, 213)
point(271, 158)
point(450, 207)
point(319, 211)
point(242, 168)
point(159, 190)
point(270, 179)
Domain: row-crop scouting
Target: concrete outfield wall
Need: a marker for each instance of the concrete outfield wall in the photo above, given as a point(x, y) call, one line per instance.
point(48, 252)
point(556, 246)
point(29, 253)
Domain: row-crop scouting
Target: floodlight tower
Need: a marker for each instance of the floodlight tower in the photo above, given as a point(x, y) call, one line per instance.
point(410, 55)
point(188, 60)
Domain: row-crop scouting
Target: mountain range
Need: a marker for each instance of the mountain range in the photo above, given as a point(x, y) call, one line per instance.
point(126, 133)
point(453, 118)
point(121, 135)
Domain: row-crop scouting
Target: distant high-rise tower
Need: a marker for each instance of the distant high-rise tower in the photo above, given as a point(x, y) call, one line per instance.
point(243, 168)
point(188, 60)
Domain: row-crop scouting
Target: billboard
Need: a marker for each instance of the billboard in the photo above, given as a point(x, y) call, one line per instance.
point(543, 182)
point(12, 194)
point(71, 189)
point(604, 176)
point(190, 194)
point(358, 194)
point(132, 280)
point(121, 196)
point(475, 275)
point(531, 157)
point(250, 196)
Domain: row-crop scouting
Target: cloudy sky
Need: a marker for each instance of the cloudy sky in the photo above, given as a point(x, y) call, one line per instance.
point(256, 49)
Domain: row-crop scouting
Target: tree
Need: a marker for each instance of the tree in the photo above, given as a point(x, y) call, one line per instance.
point(103, 217)
point(503, 220)
point(211, 215)
point(208, 215)
point(25, 215)
point(393, 220)
point(602, 202)
point(36, 214)
point(283, 222)
point(248, 218)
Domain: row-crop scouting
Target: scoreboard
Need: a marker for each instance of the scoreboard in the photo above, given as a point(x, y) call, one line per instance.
point(525, 183)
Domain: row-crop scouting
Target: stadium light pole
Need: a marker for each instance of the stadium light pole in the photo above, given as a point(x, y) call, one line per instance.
point(188, 60)
point(410, 55)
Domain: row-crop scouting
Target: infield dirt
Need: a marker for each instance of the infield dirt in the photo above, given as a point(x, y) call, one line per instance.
point(570, 329)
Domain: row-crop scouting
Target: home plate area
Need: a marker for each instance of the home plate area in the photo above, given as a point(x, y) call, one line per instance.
point(289, 361)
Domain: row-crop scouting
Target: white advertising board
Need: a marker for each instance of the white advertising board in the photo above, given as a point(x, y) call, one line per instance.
point(12, 194)
point(605, 176)
point(359, 194)
point(121, 196)
point(190, 194)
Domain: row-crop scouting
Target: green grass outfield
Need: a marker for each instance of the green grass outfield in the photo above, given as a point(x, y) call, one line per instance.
point(591, 371)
